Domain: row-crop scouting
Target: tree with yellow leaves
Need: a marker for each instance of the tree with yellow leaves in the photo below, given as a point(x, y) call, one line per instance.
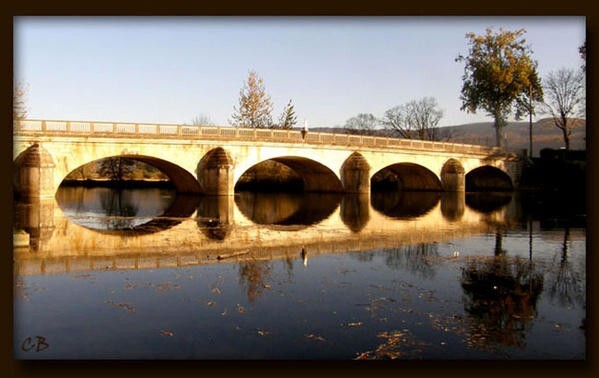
point(498, 71)
point(255, 107)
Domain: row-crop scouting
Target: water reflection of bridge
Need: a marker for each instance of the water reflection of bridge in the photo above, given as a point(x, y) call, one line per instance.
point(47, 241)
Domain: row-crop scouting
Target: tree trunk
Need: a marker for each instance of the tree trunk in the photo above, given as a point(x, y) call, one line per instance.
point(566, 138)
point(498, 135)
point(499, 124)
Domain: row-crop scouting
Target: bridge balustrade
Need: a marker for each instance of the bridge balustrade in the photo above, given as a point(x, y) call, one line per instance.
point(145, 131)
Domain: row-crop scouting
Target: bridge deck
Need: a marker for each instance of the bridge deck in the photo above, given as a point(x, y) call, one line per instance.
point(188, 132)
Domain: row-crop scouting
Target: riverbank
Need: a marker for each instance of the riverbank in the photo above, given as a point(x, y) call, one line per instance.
point(556, 171)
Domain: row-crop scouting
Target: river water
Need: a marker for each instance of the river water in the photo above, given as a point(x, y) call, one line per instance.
point(146, 274)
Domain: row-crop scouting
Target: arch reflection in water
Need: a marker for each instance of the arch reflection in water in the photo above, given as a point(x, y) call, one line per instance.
point(488, 202)
point(404, 204)
point(137, 211)
point(287, 209)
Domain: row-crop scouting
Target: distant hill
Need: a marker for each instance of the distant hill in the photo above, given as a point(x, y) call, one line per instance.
point(545, 134)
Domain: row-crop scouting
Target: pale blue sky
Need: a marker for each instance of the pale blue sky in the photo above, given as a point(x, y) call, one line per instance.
point(170, 69)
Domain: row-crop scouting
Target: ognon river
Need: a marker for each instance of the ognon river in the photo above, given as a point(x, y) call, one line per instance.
point(146, 274)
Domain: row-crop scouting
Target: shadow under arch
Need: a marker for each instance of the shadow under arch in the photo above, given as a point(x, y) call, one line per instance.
point(405, 176)
point(181, 179)
point(488, 178)
point(315, 177)
point(287, 209)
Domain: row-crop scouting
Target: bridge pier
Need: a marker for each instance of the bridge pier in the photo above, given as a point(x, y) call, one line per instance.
point(355, 174)
point(453, 205)
point(215, 218)
point(453, 178)
point(215, 173)
point(36, 217)
point(34, 174)
point(355, 211)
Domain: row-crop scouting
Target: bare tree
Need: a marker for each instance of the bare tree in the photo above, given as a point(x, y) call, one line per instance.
point(255, 107)
point(527, 102)
point(202, 120)
point(363, 123)
point(564, 99)
point(19, 107)
point(116, 168)
point(394, 119)
point(415, 119)
point(582, 50)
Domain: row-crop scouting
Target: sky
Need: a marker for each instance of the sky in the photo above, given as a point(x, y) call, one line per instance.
point(172, 69)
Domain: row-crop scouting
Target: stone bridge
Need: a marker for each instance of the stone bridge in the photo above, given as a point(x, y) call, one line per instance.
point(211, 160)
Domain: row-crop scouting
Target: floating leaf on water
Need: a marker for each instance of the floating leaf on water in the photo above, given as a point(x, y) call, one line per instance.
point(240, 309)
point(166, 333)
point(216, 290)
point(262, 332)
point(314, 337)
point(126, 306)
point(355, 324)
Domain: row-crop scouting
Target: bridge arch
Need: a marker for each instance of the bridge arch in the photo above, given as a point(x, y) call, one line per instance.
point(488, 178)
point(405, 176)
point(183, 181)
point(315, 177)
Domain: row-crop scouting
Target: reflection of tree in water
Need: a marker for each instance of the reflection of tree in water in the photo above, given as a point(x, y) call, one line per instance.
point(566, 282)
point(253, 275)
point(500, 295)
point(364, 256)
point(117, 204)
point(419, 259)
point(498, 250)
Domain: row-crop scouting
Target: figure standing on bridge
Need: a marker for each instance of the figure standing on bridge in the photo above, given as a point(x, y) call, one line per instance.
point(305, 130)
